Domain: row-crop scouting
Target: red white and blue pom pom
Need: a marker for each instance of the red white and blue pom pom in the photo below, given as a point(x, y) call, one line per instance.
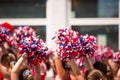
point(12, 42)
point(89, 44)
point(68, 43)
point(7, 26)
point(103, 53)
point(81, 65)
point(35, 49)
point(80, 62)
point(4, 34)
point(116, 57)
point(21, 32)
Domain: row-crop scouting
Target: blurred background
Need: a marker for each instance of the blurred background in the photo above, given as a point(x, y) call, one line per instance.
point(95, 17)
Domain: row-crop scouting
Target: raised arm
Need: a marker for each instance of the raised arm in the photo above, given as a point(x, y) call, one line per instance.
point(59, 68)
point(75, 69)
point(37, 72)
point(113, 66)
point(88, 63)
point(14, 72)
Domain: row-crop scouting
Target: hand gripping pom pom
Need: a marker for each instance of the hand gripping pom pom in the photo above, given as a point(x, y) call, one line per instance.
point(80, 62)
point(116, 57)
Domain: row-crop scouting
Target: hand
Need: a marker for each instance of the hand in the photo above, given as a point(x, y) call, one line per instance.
point(24, 55)
point(74, 67)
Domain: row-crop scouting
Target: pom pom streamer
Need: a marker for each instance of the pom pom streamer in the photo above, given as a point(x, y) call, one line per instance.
point(22, 32)
point(12, 42)
point(35, 49)
point(103, 52)
point(116, 57)
point(7, 26)
point(89, 44)
point(81, 65)
point(80, 62)
point(67, 41)
point(4, 34)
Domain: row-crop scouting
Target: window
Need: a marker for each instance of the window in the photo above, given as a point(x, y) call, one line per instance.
point(22, 9)
point(95, 8)
point(109, 32)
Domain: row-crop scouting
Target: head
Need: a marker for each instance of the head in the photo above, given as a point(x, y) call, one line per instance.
point(101, 66)
point(25, 74)
point(6, 59)
point(94, 74)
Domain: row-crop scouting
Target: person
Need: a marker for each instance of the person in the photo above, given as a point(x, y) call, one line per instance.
point(100, 66)
point(103, 68)
point(115, 69)
point(24, 73)
point(7, 61)
point(94, 74)
point(65, 69)
point(43, 70)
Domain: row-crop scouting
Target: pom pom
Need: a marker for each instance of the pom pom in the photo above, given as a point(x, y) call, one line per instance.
point(35, 49)
point(103, 53)
point(8, 26)
point(4, 34)
point(116, 57)
point(89, 44)
point(22, 32)
point(80, 62)
point(67, 41)
point(12, 42)
point(81, 65)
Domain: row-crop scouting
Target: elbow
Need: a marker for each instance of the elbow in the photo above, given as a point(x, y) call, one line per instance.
point(14, 71)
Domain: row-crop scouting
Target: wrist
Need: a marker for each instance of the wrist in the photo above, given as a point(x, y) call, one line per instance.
point(24, 55)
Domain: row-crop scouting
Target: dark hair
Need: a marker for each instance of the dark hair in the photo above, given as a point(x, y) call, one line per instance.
point(48, 65)
point(5, 60)
point(65, 65)
point(20, 74)
point(10, 51)
point(101, 66)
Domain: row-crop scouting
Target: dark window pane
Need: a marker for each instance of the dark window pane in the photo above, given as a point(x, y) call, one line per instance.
point(110, 32)
point(40, 31)
point(22, 9)
point(94, 8)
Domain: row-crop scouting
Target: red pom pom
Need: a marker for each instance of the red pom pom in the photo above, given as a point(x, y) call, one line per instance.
point(103, 52)
point(8, 26)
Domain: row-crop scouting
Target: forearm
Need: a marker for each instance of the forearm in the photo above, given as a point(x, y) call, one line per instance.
point(59, 68)
point(88, 64)
point(18, 64)
point(37, 72)
point(74, 67)
point(75, 70)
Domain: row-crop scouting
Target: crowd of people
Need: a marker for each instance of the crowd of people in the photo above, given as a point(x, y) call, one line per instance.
point(16, 66)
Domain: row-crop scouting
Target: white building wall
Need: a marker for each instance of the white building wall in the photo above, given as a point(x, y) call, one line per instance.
point(57, 17)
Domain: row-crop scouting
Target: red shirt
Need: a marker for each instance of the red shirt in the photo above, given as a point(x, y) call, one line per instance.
point(1, 76)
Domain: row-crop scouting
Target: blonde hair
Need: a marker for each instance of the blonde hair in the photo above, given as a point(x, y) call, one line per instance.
point(94, 74)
